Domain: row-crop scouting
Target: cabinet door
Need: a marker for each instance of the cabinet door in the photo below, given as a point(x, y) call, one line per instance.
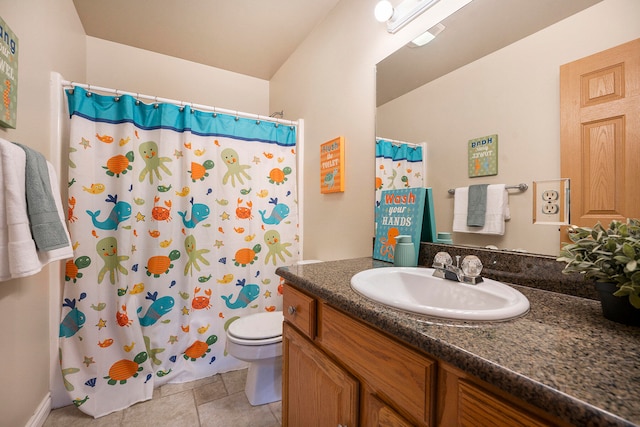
point(316, 391)
point(378, 414)
point(405, 377)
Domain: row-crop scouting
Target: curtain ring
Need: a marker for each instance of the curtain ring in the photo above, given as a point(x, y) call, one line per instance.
point(117, 97)
point(214, 112)
point(181, 107)
point(155, 105)
point(72, 88)
point(191, 108)
point(137, 98)
point(258, 121)
point(237, 118)
point(88, 90)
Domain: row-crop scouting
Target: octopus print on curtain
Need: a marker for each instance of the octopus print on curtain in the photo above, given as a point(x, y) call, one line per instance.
point(179, 219)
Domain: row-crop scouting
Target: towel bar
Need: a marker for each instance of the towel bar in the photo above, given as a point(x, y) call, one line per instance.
point(520, 187)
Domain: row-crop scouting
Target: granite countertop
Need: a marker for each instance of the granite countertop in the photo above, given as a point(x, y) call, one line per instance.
point(562, 356)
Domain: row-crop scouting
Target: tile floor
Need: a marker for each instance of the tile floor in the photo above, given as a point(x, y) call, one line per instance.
point(210, 402)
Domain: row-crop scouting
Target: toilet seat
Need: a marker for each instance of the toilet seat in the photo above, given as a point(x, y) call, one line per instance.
point(257, 329)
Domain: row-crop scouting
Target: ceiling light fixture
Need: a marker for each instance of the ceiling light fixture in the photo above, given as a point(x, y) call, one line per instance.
point(427, 36)
point(383, 11)
point(400, 16)
point(408, 10)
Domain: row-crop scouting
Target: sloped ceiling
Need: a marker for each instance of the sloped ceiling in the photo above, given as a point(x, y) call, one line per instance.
point(249, 37)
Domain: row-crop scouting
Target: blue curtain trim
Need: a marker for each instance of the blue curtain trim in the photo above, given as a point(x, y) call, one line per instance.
point(103, 108)
point(388, 150)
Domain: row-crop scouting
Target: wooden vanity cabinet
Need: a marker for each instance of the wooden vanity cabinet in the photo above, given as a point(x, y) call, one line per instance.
point(338, 371)
point(362, 377)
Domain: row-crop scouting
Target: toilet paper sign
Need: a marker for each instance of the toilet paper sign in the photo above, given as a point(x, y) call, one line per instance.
point(483, 156)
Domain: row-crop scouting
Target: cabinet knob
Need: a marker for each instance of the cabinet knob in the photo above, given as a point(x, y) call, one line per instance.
point(291, 310)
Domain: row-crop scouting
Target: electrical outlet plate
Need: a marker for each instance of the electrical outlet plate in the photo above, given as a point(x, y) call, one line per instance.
point(551, 202)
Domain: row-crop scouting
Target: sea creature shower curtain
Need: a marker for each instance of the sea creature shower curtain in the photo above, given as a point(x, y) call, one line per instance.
point(398, 165)
point(179, 219)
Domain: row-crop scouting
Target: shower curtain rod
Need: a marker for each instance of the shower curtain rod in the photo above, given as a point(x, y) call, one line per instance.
point(155, 99)
point(395, 141)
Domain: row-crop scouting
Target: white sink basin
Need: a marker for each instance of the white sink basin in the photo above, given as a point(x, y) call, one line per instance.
point(415, 289)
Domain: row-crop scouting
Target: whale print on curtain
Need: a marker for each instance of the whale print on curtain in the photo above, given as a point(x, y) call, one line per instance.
point(179, 219)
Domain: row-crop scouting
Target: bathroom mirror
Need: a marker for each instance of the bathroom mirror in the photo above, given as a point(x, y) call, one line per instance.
point(494, 70)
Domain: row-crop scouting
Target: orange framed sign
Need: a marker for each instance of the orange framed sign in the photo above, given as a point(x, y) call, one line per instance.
point(332, 166)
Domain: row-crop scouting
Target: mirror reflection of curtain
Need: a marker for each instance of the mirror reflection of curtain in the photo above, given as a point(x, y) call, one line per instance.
point(179, 219)
point(398, 165)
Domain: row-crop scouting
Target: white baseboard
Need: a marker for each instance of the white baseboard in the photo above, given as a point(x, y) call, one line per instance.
point(41, 414)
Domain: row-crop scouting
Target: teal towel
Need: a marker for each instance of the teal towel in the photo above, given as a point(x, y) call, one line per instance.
point(46, 229)
point(477, 205)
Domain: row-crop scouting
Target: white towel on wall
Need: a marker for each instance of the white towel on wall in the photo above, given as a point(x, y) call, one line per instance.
point(21, 257)
point(497, 211)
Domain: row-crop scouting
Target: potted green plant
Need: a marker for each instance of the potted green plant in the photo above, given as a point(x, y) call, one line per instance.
point(611, 257)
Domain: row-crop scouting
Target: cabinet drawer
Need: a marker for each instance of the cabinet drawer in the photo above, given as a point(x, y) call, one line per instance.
point(477, 407)
point(299, 310)
point(405, 377)
point(464, 400)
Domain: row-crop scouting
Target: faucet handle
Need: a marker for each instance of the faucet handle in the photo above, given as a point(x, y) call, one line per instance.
point(471, 266)
point(441, 259)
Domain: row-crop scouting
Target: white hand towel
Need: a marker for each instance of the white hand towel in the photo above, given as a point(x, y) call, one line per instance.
point(22, 254)
point(497, 211)
point(23, 259)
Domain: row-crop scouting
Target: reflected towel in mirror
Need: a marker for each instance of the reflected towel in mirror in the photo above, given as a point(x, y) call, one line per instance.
point(496, 214)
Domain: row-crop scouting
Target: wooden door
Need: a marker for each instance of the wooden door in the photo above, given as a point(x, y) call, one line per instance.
point(600, 135)
point(316, 391)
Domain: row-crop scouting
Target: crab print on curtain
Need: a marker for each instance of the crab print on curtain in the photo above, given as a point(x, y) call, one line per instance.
point(179, 219)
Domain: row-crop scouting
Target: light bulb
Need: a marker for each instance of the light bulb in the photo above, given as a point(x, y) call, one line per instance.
point(383, 11)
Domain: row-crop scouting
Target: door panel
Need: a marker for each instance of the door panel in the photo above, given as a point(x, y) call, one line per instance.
point(600, 135)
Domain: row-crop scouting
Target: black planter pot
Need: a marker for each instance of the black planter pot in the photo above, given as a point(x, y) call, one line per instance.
point(618, 309)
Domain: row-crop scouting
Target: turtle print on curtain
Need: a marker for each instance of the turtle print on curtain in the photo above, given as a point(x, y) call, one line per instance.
point(179, 219)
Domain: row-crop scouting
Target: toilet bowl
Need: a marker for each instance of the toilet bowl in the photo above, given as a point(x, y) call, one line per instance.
point(257, 339)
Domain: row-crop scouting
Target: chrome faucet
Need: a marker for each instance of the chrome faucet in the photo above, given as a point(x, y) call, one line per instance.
point(469, 273)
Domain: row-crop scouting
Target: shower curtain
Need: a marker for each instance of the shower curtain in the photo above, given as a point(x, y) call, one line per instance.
point(398, 165)
point(178, 219)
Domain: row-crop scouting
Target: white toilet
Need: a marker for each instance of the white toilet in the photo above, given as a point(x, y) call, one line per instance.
point(257, 339)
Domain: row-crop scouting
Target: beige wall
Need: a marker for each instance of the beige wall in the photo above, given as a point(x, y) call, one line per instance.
point(513, 93)
point(330, 82)
point(51, 38)
point(136, 70)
